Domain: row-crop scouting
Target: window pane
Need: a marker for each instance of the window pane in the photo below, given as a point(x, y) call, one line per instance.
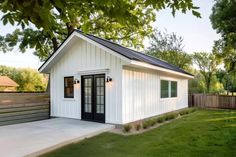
point(68, 87)
point(164, 89)
point(173, 89)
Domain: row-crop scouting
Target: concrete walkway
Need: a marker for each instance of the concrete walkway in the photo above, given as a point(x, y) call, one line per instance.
point(35, 138)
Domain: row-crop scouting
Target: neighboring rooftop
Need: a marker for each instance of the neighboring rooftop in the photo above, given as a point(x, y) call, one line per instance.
point(7, 82)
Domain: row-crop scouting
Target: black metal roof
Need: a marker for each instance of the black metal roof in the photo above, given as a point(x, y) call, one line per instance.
point(134, 55)
point(128, 53)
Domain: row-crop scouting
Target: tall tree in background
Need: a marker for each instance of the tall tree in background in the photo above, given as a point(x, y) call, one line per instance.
point(207, 63)
point(223, 20)
point(169, 47)
point(45, 23)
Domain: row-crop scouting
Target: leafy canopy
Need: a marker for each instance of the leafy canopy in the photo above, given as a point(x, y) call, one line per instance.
point(223, 20)
point(45, 23)
point(207, 64)
point(169, 47)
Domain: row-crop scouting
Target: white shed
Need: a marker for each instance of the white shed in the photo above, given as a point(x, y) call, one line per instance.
point(97, 80)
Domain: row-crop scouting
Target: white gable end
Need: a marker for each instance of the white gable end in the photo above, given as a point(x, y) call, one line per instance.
point(82, 58)
point(66, 46)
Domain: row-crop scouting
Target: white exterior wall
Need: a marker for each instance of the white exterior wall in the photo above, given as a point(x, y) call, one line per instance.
point(141, 94)
point(82, 58)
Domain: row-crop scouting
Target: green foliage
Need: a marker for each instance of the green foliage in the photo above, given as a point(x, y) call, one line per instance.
point(160, 119)
point(197, 84)
point(170, 116)
point(169, 47)
point(187, 111)
point(228, 79)
point(138, 126)
point(46, 23)
point(223, 21)
point(216, 86)
point(207, 64)
point(28, 79)
point(146, 124)
point(127, 128)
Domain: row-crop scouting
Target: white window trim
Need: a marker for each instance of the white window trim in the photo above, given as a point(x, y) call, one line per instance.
point(169, 89)
point(69, 99)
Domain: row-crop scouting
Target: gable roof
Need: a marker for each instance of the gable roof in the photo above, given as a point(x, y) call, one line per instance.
point(7, 82)
point(129, 53)
point(134, 55)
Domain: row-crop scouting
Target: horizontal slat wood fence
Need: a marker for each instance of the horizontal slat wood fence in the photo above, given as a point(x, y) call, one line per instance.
point(212, 101)
point(23, 107)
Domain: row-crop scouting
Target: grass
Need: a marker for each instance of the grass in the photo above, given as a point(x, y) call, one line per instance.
point(204, 133)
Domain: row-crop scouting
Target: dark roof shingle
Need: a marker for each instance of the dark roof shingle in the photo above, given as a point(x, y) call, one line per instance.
point(134, 55)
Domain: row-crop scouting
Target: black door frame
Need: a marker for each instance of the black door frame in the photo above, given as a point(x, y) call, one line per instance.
point(93, 116)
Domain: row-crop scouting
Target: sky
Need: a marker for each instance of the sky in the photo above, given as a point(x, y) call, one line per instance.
point(197, 33)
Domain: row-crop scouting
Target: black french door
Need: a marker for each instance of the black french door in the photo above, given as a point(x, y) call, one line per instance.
point(93, 97)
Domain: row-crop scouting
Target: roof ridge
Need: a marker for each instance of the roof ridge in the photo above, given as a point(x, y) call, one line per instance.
point(135, 51)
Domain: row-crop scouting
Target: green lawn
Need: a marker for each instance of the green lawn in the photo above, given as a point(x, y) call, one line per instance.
point(202, 133)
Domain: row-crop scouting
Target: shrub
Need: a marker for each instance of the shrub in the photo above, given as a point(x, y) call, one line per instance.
point(146, 124)
point(170, 116)
point(127, 128)
point(160, 119)
point(183, 112)
point(187, 111)
point(152, 122)
point(137, 127)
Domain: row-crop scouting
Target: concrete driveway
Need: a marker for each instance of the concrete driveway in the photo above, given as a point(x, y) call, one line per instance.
point(35, 138)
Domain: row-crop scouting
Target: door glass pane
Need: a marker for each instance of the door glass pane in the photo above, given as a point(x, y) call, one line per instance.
point(98, 82)
point(102, 100)
point(102, 81)
point(98, 100)
point(88, 95)
point(100, 95)
point(100, 109)
point(88, 108)
point(98, 90)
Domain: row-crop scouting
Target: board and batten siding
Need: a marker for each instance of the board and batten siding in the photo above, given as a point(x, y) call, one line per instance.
point(141, 94)
point(84, 57)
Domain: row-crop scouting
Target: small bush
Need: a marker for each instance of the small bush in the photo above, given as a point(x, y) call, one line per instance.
point(152, 122)
point(127, 128)
point(187, 111)
point(146, 124)
point(170, 116)
point(138, 127)
point(160, 119)
point(184, 112)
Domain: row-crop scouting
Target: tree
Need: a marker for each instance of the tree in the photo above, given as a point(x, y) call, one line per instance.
point(28, 79)
point(207, 64)
point(197, 84)
point(45, 23)
point(169, 47)
point(223, 20)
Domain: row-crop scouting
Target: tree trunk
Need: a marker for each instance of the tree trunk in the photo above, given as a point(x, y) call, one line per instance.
point(70, 28)
point(208, 83)
point(55, 43)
